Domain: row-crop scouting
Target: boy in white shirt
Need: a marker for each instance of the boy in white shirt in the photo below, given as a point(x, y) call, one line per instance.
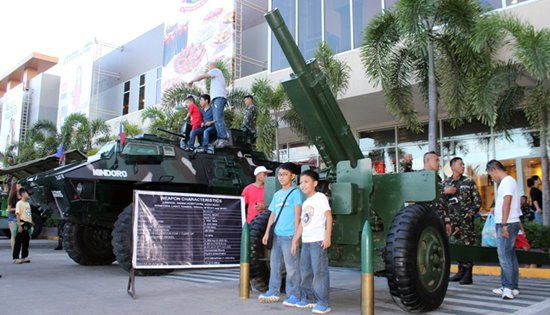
point(315, 228)
point(23, 214)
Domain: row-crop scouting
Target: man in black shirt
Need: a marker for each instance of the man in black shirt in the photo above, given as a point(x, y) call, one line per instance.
point(536, 197)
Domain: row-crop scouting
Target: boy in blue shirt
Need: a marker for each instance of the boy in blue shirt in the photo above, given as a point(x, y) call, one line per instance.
point(284, 233)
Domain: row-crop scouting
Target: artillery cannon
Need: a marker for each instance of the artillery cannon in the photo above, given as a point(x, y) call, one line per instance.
point(411, 247)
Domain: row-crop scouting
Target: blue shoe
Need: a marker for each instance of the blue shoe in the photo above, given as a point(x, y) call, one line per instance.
point(304, 304)
point(291, 301)
point(320, 309)
point(269, 297)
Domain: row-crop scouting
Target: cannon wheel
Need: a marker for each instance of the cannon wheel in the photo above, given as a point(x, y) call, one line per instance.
point(88, 245)
point(417, 259)
point(122, 244)
point(259, 269)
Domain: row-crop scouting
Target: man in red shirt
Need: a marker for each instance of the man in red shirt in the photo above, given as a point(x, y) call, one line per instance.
point(254, 194)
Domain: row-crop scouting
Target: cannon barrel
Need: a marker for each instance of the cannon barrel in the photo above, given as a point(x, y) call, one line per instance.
point(314, 102)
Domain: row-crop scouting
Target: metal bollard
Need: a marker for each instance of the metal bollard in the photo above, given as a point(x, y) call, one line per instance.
point(244, 286)
point(367, 270)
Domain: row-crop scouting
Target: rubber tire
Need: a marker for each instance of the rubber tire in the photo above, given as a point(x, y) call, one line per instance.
point(122, 245)
point(259, 264)
point(37, 225)
point(408, 288)
point(88, 245)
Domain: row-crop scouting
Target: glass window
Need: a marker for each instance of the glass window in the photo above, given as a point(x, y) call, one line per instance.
point(254, 41)
point(337, 25)
point(516, 145)
point(388, 4)
point(474, 128)
point(491, 4)
point(141, 101)
point(126, 98)
point(378, 138)
point(363, 12)
point(309, 26)
point(511, 2)
point(288, 12)
point(407, 137)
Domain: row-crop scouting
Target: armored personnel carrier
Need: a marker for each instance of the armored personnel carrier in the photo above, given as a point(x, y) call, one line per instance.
point(94, 196)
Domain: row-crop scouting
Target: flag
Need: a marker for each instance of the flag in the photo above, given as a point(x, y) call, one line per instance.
point(121, 133)
point(60, 154)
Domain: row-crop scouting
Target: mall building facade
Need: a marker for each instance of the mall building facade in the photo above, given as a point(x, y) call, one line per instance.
point(120, 81)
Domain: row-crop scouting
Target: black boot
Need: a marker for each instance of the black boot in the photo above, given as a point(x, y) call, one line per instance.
point(458, 276)
point(467, 278)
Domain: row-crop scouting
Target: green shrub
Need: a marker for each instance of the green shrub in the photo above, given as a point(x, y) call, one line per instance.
point(51, 222)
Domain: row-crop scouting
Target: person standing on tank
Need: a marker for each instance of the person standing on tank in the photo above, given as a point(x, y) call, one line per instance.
point(218, 94)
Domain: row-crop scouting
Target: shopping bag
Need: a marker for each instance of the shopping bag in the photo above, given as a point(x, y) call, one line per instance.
point(521, 241)
point(489, 232)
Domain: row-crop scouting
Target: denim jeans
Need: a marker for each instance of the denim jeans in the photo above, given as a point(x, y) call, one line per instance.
point(206, 134)
point(509, 268)
point(538, 217)
point(281, 257)
point(218, 104)
point(315, 276)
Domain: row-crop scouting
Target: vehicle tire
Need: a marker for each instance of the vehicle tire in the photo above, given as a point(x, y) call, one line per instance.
point(259, 267)
point(88, 245)
point(122, 244)
point(37, 225)
point(417, 259)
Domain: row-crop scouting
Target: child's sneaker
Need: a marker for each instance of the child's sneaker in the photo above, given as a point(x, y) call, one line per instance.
point(320, 309)
point(18, 261)
point(268, 297)
point(26, 260)
point(291, 301)
point(304, 304)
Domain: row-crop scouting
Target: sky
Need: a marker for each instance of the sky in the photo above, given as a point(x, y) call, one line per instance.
point(58, 27)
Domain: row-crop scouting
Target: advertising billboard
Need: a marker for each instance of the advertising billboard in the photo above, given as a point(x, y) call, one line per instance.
point(76, 83)
point(199, 32)
point(11, 117)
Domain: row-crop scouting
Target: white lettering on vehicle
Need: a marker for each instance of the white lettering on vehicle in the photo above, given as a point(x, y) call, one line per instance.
point(57, 194)
point(110, 173)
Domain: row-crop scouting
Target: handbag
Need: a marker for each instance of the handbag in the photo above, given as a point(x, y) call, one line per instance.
point(489, 232)
point(269, 244)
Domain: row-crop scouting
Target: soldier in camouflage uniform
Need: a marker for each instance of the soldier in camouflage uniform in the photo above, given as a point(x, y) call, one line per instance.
point(431, 163)
point(249, 121)
point(463, 204)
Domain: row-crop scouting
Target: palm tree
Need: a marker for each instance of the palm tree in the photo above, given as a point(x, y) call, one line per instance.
point(270, 102)
point(78, 132)
point(424, 43)
point(74, 132)
point(42, 140)
point(338, 75)
point(337, 71)
point(131, 130)
point(523, 80)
